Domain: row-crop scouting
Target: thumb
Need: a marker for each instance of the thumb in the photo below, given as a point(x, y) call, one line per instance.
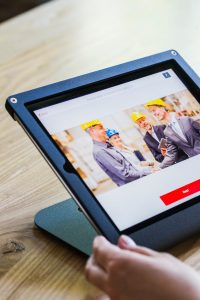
point(125, 242)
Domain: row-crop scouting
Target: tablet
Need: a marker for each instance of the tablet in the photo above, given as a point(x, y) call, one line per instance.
point(101, 132)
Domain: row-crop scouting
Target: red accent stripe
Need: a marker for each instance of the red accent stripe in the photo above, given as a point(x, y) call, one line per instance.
point(181, 192)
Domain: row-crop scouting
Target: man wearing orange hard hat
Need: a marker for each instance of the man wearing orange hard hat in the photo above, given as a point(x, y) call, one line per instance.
point(152, 136)
point(111, 161)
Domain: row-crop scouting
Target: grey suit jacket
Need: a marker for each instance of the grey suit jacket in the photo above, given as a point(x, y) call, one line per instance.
point(191, 146)
point(115, 165)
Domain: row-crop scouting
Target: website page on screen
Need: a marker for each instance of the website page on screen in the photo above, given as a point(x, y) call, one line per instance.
point(136, 145)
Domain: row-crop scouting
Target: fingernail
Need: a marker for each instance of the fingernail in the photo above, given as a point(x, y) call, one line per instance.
point(103, 297)
point(127, 240)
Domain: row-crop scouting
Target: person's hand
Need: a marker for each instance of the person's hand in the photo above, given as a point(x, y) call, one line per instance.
point(155, 169)
point(131, 272)
point(163, 151)
point(147, 163)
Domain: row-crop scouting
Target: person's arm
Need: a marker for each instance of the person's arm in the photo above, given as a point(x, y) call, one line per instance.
point(119, 168)
point(171, 155)
point(128, 271)
point(195, 125)
point(158, 156)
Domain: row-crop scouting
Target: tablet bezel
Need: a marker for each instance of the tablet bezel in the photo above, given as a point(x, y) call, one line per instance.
point(96, 80)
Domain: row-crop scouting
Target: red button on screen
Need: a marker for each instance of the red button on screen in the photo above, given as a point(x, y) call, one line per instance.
point(181, 193)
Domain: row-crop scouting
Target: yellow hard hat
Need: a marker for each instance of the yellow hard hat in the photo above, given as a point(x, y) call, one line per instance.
point(87, 125)
point(136, 116)
point(156, 102)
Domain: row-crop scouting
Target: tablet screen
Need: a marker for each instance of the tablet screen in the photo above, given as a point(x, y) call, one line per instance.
point(136, 145)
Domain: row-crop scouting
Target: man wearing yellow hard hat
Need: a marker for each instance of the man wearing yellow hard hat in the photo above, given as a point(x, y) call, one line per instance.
point(153, 134)
point(159, 109)
point(182, 133)
point(111, 161)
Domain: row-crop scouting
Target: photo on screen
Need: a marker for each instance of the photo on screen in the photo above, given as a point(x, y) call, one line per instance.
point(123, 147)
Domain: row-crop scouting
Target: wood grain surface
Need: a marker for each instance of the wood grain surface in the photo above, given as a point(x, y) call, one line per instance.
point(53, 42)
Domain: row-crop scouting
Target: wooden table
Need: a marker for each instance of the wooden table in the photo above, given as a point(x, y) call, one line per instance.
point(53, 42)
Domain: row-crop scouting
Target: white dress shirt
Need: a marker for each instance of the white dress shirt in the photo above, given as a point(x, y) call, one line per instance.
point(154, 135)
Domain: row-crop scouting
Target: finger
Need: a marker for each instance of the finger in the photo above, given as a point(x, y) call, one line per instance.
point(102, 297)
point(104, 251)
point(95, 274)
point(125, 242)
point(145, 251)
